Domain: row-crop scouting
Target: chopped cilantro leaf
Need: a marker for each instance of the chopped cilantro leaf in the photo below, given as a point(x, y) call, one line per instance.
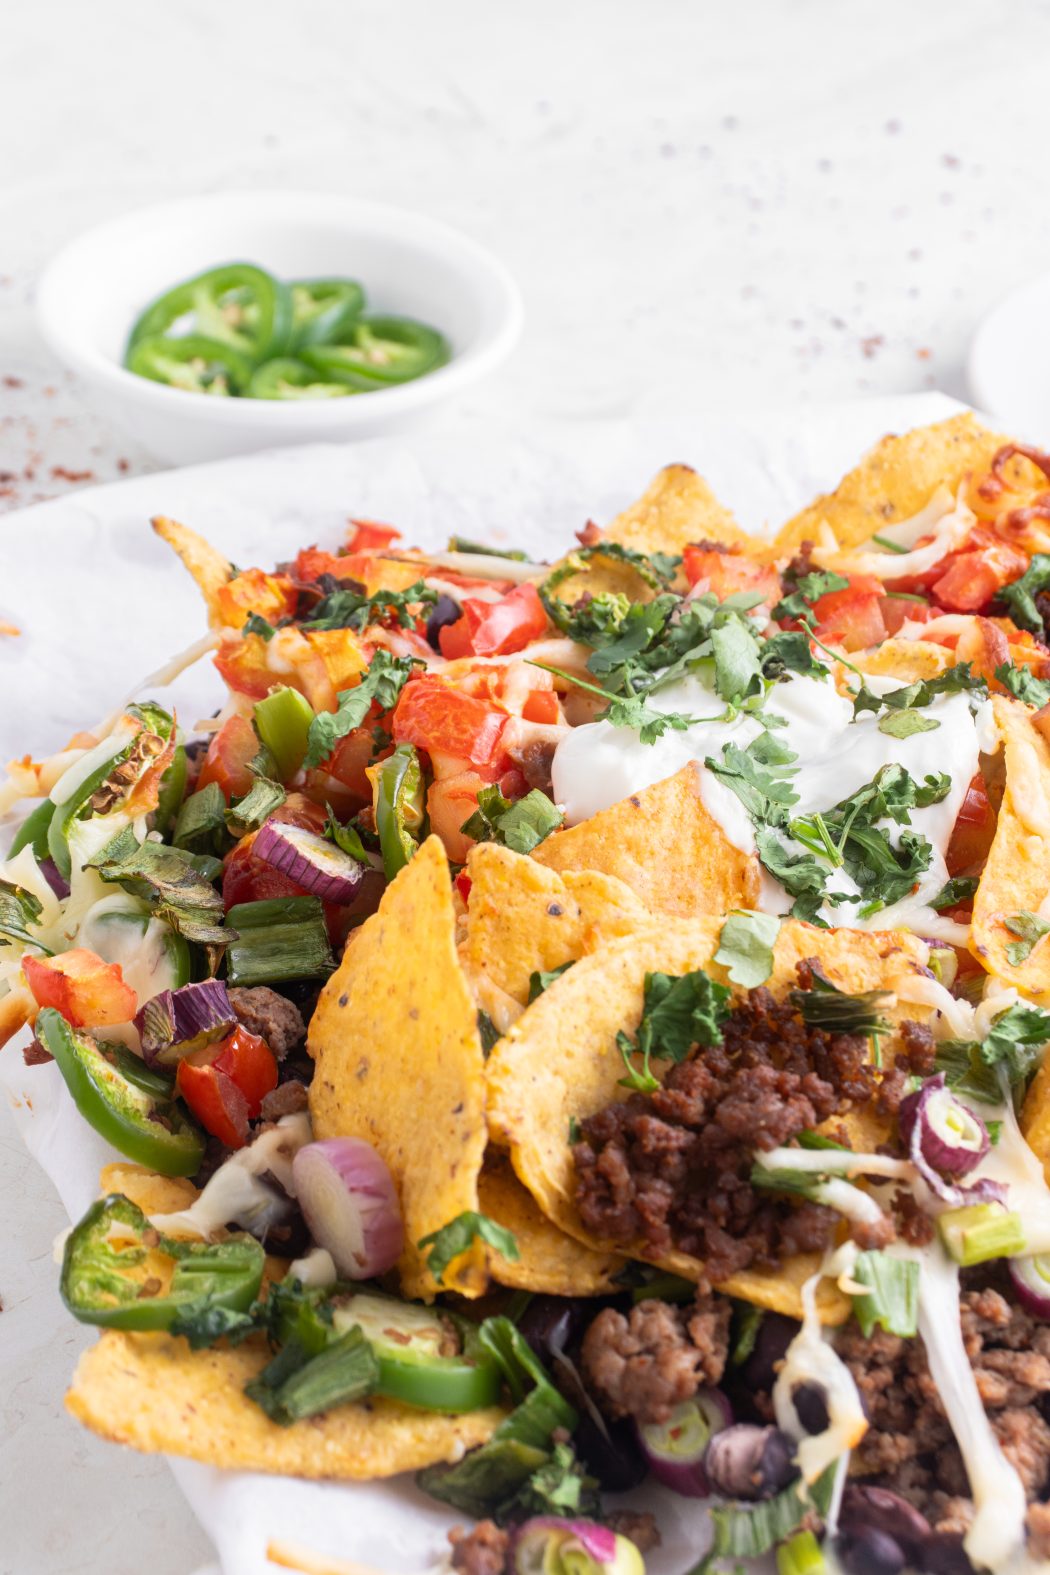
point(1016, 1038)
point(745, 946)
point(256, 624)
point(810, 588)
point(460, 1234)
point(959, 889)
point(1023, 684)
point(678, 1011)
point(520, 825)
point(383, 683)
point(902, 724)
point(1030, 928)
point(348, 608)
point(541, 979)
point(1020, 597)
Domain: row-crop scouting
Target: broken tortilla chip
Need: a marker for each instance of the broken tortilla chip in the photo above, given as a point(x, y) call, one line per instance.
point(209, 569)
point(677, 508)
point(1016, 876)
point(560, 1062)
point(149, 1192)
point(665, 845)
point(908, 660)
point(523, 918)
point(152, 1392)
point(400, 1064)
point(893, 481)
point(549, 1262)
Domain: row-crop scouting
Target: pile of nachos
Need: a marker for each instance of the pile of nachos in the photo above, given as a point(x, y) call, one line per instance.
point(566, 1030)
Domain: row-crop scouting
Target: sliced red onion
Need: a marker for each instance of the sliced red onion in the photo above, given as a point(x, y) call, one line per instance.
point(53, 875)
point(675, 1448)
point(313, 862)
point(952, 1138)
point(177, 1021)
point(939, 1139)
point(546, 1545)
point(1031, 1281)
point(350, 1203)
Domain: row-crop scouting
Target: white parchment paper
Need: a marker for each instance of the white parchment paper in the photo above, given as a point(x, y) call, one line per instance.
point(101, 603)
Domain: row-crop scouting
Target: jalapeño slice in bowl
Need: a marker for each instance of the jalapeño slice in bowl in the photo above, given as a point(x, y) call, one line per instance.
point(323, 310)
point(237, 304)
point(286, 377)
point(193, 363)
point(381, 351)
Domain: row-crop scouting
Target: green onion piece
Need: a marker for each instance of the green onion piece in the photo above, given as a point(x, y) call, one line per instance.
point(906, 596)
point(893, 1299)
point(279, 939)
point(201, 818)
point(283, 723)
point(891, 546)
point(980, 1233)
point(801, 1556)
point(292, 1387)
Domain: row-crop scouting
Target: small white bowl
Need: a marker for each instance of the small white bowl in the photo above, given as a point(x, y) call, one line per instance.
point(1008, 369)
point(92, 292)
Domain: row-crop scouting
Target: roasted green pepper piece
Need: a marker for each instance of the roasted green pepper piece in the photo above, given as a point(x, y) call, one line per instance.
point(286, 378)
point(323, 309)
point(193, 363)
point(147, 1127)
point(399, 807)
point(172, 790)
point(381, 351)
point(33, 832)
point(238, 305)
point(141, 746)
point(115, 1237)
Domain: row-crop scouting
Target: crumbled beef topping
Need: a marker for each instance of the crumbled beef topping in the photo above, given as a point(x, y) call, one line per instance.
point(284, 1100)
point(916, 1058)
point(34, 1054)
point(909, 1446)
point(639, 1526)
point(482, 1551)
point(271, 1016)
point(645, 1363)
point(672, 1169)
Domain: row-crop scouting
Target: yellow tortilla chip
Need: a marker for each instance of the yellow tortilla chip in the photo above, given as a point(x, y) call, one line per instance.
point(678, 508)
point(523, 918)
point(151, 1193)
point(1035, 1116)
point(1016, 877)
point(664, 844)
point(210, 570)
point(550, 1262)
point(560, 1060)
point(599, 574)
point(908, 660)
point(895, 480)
point(400, 1064)
point(152, 1392)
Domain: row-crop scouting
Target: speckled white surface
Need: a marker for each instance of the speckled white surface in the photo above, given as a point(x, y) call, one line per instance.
point(781, 202)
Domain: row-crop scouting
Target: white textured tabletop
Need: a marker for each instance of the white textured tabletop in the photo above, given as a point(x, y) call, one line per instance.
point(776, 203)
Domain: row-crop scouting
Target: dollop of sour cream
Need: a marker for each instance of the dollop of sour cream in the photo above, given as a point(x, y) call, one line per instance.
point(596, 765)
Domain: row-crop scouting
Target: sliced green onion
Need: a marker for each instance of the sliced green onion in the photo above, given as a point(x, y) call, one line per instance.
point(200, 819)
point(283, 722)
point(980, 1233)
point(281, 938)
point(907, 596)
point(803, 1555)
point(294, 1386)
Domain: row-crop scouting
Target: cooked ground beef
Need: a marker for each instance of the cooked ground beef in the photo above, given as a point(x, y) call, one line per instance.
point(909, 1446)
point(482, 1551)
point(646, 1363)
point(34, 1054)
point(284, 1100)
point(672, 1169)
point(273, 1017)
point(638, 1525)
point(916, 1058)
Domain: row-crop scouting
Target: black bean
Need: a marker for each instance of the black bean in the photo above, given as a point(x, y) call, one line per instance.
point(443, 612)
point(811, 1406)
point(866, 1506)
point(872, 1552)
point(749, 1462)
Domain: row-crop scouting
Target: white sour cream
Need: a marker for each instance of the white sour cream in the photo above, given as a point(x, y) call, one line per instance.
point(597, 764)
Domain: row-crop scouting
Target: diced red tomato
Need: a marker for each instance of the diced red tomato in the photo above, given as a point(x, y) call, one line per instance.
point(450, 802)
point(433, 715)
point(975, 576)
point(226, 763)
point(463, 883)
point(496, 628)
point(541, 705)
point(87, 991)
point(312, 562)
point(243, 665)
point(853, 617)
point(726, 573)
point(369, 535)
point(896, 611)
point(215, 1100)
point(272, 596)
point(974, 829)
point(985, 646)
point(246, 878)
point(349, 758)
point(245, 1059)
